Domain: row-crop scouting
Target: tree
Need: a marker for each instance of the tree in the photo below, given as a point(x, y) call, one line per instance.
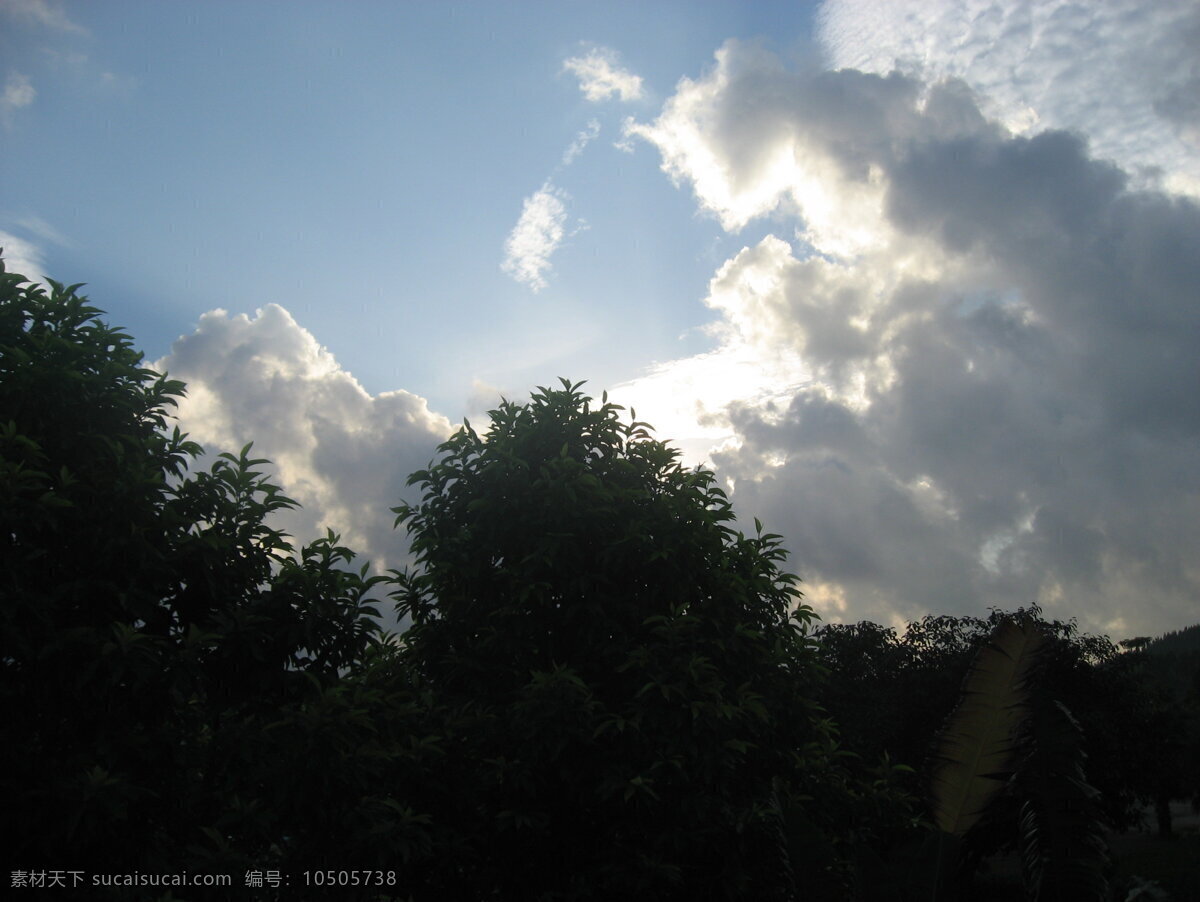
point(1007, 767)
point(633, 679)
point(1155, 686)
point(1104, 738)
point(605, 689)
point(157, 636)
point(892, 692)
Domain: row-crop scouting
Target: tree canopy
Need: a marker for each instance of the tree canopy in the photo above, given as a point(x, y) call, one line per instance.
point(153, 625)
point(634, 676)
point(890, 691)
point(604, 689)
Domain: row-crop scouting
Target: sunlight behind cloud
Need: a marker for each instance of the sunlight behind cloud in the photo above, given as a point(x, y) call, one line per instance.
point(927, 391)
point(686, 399)
point(746, 161)
point(942, 253)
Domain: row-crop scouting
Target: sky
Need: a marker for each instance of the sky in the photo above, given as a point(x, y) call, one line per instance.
point(917, 280)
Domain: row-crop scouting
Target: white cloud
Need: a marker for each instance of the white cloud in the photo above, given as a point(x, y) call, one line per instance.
point(35, 225)
point(980, 350)
point(342, 453)
point(582, 140)
point(18, 92)
point(1124, 72)
point(536, 236)
point(601, 76)
point(541, 228)
point(785, 152)
point(24, 257)
point(686, 400)
point(40, 12)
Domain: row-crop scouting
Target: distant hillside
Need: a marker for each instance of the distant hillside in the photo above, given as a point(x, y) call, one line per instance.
point(1182, 641)
point(1174, 659)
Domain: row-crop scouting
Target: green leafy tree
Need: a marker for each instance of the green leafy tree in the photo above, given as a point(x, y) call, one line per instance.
point(1156, 688)
point(632, 679)
point(606, 689)
point(1104, 738)
point(1062, 830)
point(892, 692)
point(160, 642)
point(1007, 769)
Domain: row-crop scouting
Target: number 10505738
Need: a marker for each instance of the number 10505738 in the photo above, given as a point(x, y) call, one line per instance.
point(349, 878)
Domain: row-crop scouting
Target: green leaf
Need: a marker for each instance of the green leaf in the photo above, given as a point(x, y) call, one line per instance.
point(978, 748)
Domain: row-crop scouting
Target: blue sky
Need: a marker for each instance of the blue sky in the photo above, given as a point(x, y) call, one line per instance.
point(917, 279)
point(362, 164)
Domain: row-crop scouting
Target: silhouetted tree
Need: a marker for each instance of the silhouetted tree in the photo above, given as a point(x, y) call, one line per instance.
point(634, 678)
point(606, 689)
point(890, 692)
point(157, 636)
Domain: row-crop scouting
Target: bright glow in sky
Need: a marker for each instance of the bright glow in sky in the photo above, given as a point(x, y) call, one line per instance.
point(916, 278)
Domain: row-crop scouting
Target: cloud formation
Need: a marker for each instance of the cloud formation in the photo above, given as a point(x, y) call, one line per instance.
point(23, 257)
point(18, 92)
point(582, 140)
point(601, 76)
point(1124, 71)
point(40, 12)
point(541, 228)
point(536, 236)
point(995, 342)
point(342, 453)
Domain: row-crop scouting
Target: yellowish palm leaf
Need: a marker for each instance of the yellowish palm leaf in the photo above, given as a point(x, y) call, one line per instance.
point(978, 747)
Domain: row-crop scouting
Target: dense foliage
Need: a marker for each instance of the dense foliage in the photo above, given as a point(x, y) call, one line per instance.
point(604, 689)
point(1162, 689)
point(633, 676)
point(889, 692)
point(154, 629)
point(1105, 736)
